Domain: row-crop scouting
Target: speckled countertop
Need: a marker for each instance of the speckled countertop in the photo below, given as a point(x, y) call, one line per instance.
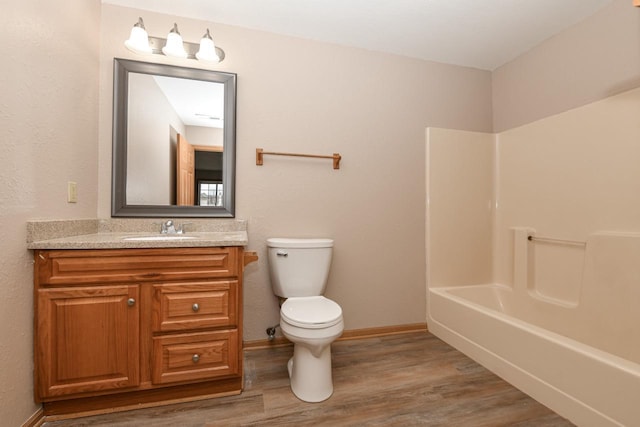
point(117, 234)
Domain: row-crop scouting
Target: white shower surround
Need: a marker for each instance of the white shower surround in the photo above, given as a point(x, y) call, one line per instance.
point(556, 320)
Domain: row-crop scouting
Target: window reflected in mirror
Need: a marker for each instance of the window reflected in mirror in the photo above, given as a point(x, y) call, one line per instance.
point(210, 193)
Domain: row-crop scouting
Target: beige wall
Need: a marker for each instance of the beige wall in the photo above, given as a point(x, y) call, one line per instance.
point(596, 58)
point(200, 135)
point(152, 158)
point(460, 188)
point(49, 122)
point(303, 96)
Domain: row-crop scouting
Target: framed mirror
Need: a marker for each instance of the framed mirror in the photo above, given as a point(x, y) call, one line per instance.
point(173, 141)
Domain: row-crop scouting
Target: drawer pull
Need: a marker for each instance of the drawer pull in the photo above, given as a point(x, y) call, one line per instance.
point(195, 307)
point(195, 358)
point(131, 302)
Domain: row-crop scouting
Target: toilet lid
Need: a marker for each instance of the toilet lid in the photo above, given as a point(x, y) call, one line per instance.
point(280, 242)
point(311, 312)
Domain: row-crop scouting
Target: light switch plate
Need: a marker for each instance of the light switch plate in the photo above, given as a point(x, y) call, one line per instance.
point(72, 192)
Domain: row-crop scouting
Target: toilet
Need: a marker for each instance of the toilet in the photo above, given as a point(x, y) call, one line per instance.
point(299, 269)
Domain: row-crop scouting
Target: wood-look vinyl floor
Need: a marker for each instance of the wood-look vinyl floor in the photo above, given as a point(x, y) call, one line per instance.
point(402, 380)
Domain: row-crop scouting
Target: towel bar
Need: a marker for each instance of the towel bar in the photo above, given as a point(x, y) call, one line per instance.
point(260, 153)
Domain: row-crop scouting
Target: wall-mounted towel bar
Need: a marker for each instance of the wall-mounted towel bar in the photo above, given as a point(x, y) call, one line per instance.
point(260, 152)
point(552, 240)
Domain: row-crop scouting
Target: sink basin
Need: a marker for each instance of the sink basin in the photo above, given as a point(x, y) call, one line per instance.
point(162, 238)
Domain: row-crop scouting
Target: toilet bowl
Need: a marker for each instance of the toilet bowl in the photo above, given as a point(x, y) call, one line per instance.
point(311, 324)
point(299, 269)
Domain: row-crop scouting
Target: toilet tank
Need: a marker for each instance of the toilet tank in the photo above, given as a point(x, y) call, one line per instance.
point(299, 267)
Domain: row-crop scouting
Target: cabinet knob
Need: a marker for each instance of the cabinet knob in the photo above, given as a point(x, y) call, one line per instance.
point(195, 358)
point(195, 307)
point(131, 302)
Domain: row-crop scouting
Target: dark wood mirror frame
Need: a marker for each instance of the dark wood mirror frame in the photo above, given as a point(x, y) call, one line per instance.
point(119, 207)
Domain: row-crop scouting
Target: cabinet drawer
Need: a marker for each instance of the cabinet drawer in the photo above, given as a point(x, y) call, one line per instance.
point(194, 356)
point(71, 267)
point(195, 305)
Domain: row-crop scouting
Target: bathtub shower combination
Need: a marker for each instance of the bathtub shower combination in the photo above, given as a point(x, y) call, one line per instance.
point(579, 357)
point(533, 256)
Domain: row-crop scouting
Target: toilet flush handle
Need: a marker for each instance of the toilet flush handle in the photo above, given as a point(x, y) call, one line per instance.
point(282, 253)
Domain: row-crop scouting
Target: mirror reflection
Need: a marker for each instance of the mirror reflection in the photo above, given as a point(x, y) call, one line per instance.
point(171, 126)
point(174, 141)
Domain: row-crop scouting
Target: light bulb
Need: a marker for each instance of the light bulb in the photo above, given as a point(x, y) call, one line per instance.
point(207, 52)
point(174, 46)
point(138, 39)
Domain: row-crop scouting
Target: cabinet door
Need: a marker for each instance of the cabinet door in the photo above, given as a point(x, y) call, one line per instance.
point(87, 339)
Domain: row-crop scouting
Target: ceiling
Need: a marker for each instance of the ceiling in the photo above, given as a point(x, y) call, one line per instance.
point(194, 110)
point(481, 34)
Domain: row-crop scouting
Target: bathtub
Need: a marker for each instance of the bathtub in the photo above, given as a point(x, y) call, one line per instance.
point(594, 384)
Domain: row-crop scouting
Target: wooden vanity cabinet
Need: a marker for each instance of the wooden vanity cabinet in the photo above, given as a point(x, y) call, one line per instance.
point(118, 327)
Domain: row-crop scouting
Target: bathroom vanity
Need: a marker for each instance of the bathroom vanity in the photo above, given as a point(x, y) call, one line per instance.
point(121, 327)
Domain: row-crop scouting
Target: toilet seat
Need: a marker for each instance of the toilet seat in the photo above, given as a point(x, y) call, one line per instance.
point(311, 312)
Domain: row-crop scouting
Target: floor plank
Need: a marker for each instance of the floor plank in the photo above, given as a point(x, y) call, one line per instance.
point(400, 380)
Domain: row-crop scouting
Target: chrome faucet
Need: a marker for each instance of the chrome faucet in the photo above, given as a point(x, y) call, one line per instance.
point(168, 228)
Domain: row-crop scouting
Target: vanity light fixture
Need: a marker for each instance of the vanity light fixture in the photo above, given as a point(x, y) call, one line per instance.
point(173, 46)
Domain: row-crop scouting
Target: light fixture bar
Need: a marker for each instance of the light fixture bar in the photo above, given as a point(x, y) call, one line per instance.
point(173, 46)
point(157, 43)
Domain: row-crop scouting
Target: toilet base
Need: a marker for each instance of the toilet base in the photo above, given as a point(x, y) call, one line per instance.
point(310, 376)
point(310, 367)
